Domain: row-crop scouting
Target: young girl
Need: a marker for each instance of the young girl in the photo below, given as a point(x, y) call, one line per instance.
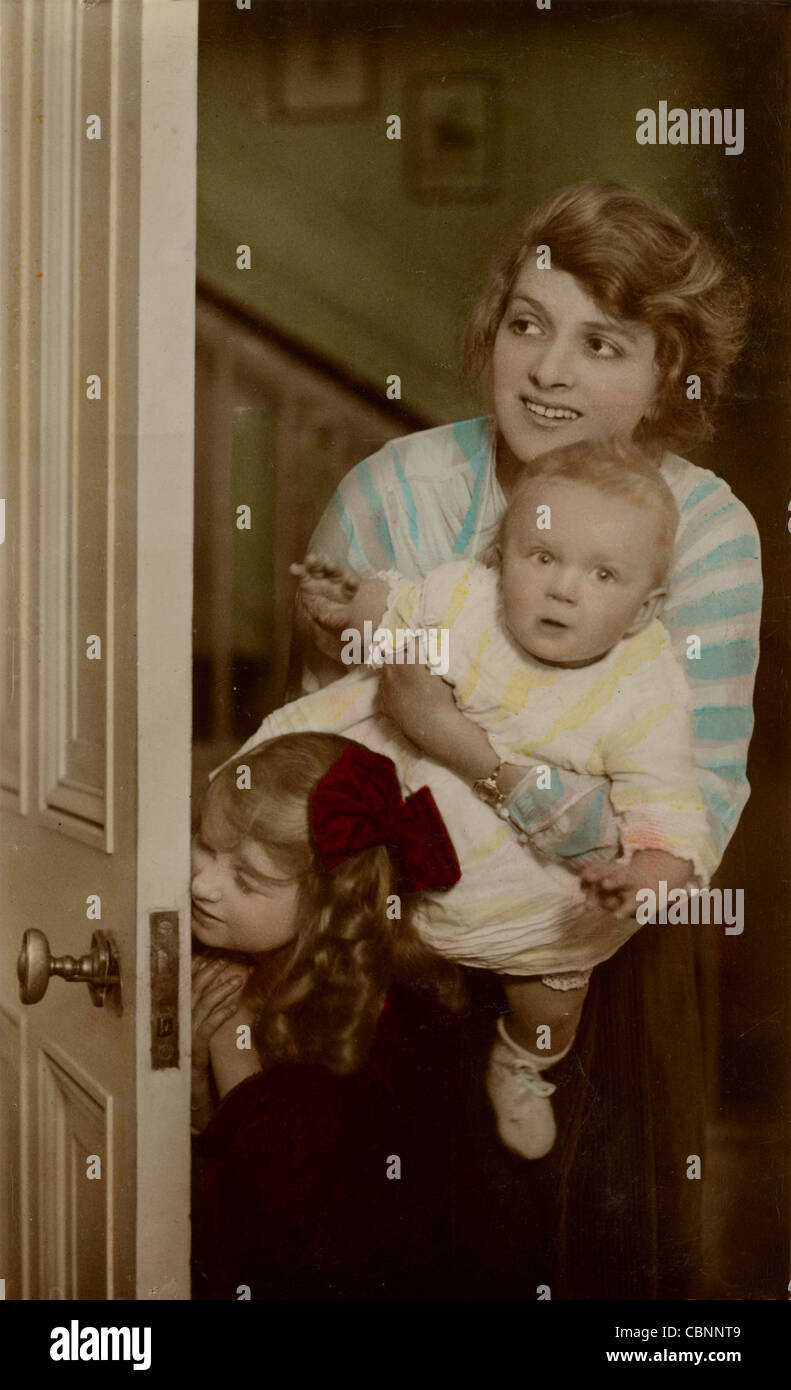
point(555, 652)
point(306, 917)
point(303, 895)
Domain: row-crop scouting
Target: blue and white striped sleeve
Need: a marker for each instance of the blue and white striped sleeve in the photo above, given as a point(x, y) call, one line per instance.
point(354, 529)
point(715, 597)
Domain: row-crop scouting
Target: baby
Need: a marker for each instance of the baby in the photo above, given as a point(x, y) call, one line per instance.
point(556, 652)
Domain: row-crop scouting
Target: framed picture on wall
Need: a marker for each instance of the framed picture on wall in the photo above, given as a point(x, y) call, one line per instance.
point(452, 136)
point(318, 74)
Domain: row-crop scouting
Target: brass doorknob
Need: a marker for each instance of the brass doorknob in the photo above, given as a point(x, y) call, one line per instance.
point(98, 969)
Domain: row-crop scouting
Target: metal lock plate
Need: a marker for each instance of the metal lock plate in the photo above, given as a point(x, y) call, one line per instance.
point(164, 989)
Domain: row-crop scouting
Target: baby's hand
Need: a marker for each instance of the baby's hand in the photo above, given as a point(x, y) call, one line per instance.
point(327, 591)
point(217, 986)
point(616, 885)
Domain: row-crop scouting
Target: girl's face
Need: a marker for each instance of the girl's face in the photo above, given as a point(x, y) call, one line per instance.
point(240, 900)
point(563, 371)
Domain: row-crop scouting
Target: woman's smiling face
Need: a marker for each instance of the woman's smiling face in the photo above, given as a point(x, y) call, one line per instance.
point(240, 899)
point(563, 370)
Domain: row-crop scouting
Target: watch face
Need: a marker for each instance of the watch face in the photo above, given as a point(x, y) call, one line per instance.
point(486, 788)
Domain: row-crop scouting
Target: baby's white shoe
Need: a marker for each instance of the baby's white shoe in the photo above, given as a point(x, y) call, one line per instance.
point(520, 1096)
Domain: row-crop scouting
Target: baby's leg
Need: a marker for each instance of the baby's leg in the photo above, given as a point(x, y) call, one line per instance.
point(536, 1034)
point(537, 1007)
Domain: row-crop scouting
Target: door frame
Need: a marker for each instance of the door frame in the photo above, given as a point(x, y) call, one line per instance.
point(166, 428)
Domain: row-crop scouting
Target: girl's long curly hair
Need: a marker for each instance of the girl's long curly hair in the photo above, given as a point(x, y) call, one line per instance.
point(346, 950)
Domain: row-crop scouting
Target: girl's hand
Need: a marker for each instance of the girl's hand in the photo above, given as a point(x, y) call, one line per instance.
point(232, 1053)
point(217, 986)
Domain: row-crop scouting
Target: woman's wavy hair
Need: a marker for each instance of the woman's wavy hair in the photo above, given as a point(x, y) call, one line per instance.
point(346, 951)
point(638, 262)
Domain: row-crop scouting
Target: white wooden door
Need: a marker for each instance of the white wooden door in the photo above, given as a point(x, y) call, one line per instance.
point(97, 260)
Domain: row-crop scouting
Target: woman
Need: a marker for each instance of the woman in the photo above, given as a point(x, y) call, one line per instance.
point(603, 315)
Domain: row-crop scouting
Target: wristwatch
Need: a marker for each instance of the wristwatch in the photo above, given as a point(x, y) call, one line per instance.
point(488, 789)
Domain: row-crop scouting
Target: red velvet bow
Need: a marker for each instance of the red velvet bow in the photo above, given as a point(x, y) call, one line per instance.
point(357, 804)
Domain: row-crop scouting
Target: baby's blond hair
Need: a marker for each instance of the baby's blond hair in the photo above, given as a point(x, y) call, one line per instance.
point(616, 469)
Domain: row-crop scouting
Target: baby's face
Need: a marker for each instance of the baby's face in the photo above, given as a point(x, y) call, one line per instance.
point(572, 591)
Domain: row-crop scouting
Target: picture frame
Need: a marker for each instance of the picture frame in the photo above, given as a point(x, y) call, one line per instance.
point(322, 74)
point(454, 145)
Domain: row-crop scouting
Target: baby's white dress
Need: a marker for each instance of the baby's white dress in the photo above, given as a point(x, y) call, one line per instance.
point(625, 717)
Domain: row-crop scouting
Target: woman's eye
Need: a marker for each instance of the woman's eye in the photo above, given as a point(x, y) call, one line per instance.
point(243, 884)
point(522, 327)
point(605, 575)
point(544, 558)
point(602, 348)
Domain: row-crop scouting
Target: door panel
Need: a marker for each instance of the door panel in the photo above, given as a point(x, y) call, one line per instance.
point(95, 691)
point(78, 467)
point(11, 1202)
point(74, 1131)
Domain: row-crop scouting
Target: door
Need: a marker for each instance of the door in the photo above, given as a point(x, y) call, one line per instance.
point(97, 259)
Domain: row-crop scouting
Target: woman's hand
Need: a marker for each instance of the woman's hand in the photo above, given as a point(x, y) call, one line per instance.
point(616, 885)
point(217, 986)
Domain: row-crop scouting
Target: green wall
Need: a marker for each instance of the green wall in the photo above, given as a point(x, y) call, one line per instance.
point(351, 263)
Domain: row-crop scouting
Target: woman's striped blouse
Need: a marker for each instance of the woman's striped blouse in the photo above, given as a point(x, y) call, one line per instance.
point(433, 497)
